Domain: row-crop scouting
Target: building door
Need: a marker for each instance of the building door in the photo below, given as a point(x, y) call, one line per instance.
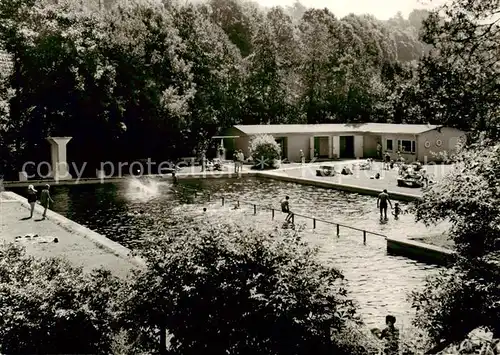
point(230, 147)
point(347, 147)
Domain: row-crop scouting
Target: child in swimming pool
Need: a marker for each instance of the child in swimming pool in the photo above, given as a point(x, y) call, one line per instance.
point(397, 210)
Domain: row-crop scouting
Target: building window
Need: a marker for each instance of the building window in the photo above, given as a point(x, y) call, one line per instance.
point(389, 146)
point(406, 146)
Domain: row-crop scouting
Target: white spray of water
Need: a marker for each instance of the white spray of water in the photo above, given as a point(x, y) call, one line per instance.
point(142, 190)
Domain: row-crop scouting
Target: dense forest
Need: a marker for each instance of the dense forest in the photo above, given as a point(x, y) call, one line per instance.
point(137, 79)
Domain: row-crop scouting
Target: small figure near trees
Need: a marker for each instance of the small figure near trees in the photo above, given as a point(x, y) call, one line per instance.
point(390, 334)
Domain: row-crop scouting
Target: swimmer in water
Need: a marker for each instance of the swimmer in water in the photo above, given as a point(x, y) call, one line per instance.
point(285, 208)
point(382, 201)
point(397, 210)
point(204, 209)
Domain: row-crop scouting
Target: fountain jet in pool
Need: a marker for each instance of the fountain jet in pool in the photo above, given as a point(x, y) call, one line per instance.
point(142, 190)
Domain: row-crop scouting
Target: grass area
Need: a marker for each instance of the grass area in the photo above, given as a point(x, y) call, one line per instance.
point(436, 239)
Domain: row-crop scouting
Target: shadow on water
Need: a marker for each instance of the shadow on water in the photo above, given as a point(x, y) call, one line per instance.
point(127, 211)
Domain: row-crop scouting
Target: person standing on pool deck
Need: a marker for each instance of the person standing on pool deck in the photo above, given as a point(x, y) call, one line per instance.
point(382, 201)
point(285, 208)
point(31, 199)
point(45, 199)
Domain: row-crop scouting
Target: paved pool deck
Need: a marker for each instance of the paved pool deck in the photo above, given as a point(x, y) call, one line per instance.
point(78, 244)
point(360, 182)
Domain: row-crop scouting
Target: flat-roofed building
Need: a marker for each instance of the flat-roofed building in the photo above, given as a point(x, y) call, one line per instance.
point(415, 142)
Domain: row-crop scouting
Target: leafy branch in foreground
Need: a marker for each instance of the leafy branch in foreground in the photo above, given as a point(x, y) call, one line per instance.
point(49, 306)
point(467, 295)
point(226, 290)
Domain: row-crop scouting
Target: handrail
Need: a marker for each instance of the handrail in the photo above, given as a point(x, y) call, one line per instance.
point(314, 219)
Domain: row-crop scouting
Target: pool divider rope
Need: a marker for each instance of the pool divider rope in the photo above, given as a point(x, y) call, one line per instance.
point(314, 219)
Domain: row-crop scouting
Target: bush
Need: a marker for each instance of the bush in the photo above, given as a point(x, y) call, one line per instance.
point(265, 152)
point(48, 306)
point(222, 290)
point(466, 296)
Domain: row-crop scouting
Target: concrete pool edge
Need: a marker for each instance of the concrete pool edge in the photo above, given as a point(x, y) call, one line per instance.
point(420, 251)
point(335, 186)
point(214, 175)
point(99, 240)
point(83, 181)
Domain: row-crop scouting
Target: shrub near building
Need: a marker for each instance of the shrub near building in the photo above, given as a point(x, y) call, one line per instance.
point(265, 152)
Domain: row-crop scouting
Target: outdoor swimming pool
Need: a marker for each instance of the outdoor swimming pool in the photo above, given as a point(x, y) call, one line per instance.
point(378, 282)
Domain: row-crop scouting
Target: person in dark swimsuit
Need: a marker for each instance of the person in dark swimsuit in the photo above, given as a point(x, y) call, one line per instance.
point(382, 201)
point(45, 200)
point(285, 208)
point(397, 210)
point(31, 199)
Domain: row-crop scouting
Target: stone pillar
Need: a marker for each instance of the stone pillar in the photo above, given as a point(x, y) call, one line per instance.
point(23, 176)
point(58, 154)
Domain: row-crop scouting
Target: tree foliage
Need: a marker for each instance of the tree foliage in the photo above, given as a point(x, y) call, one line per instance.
point(466, 296)
point(159, 79)
point(51, 307)
point(226, 290)
point(457, 81)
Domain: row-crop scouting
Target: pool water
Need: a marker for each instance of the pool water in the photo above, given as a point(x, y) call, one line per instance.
point(378, 282)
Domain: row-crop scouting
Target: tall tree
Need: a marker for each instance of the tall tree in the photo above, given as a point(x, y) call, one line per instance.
point(215, 65)
point(459, 80)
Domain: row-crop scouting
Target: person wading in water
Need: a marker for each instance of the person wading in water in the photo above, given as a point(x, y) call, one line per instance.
point(390, 334)
point(285, 208)
point(382, 201)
